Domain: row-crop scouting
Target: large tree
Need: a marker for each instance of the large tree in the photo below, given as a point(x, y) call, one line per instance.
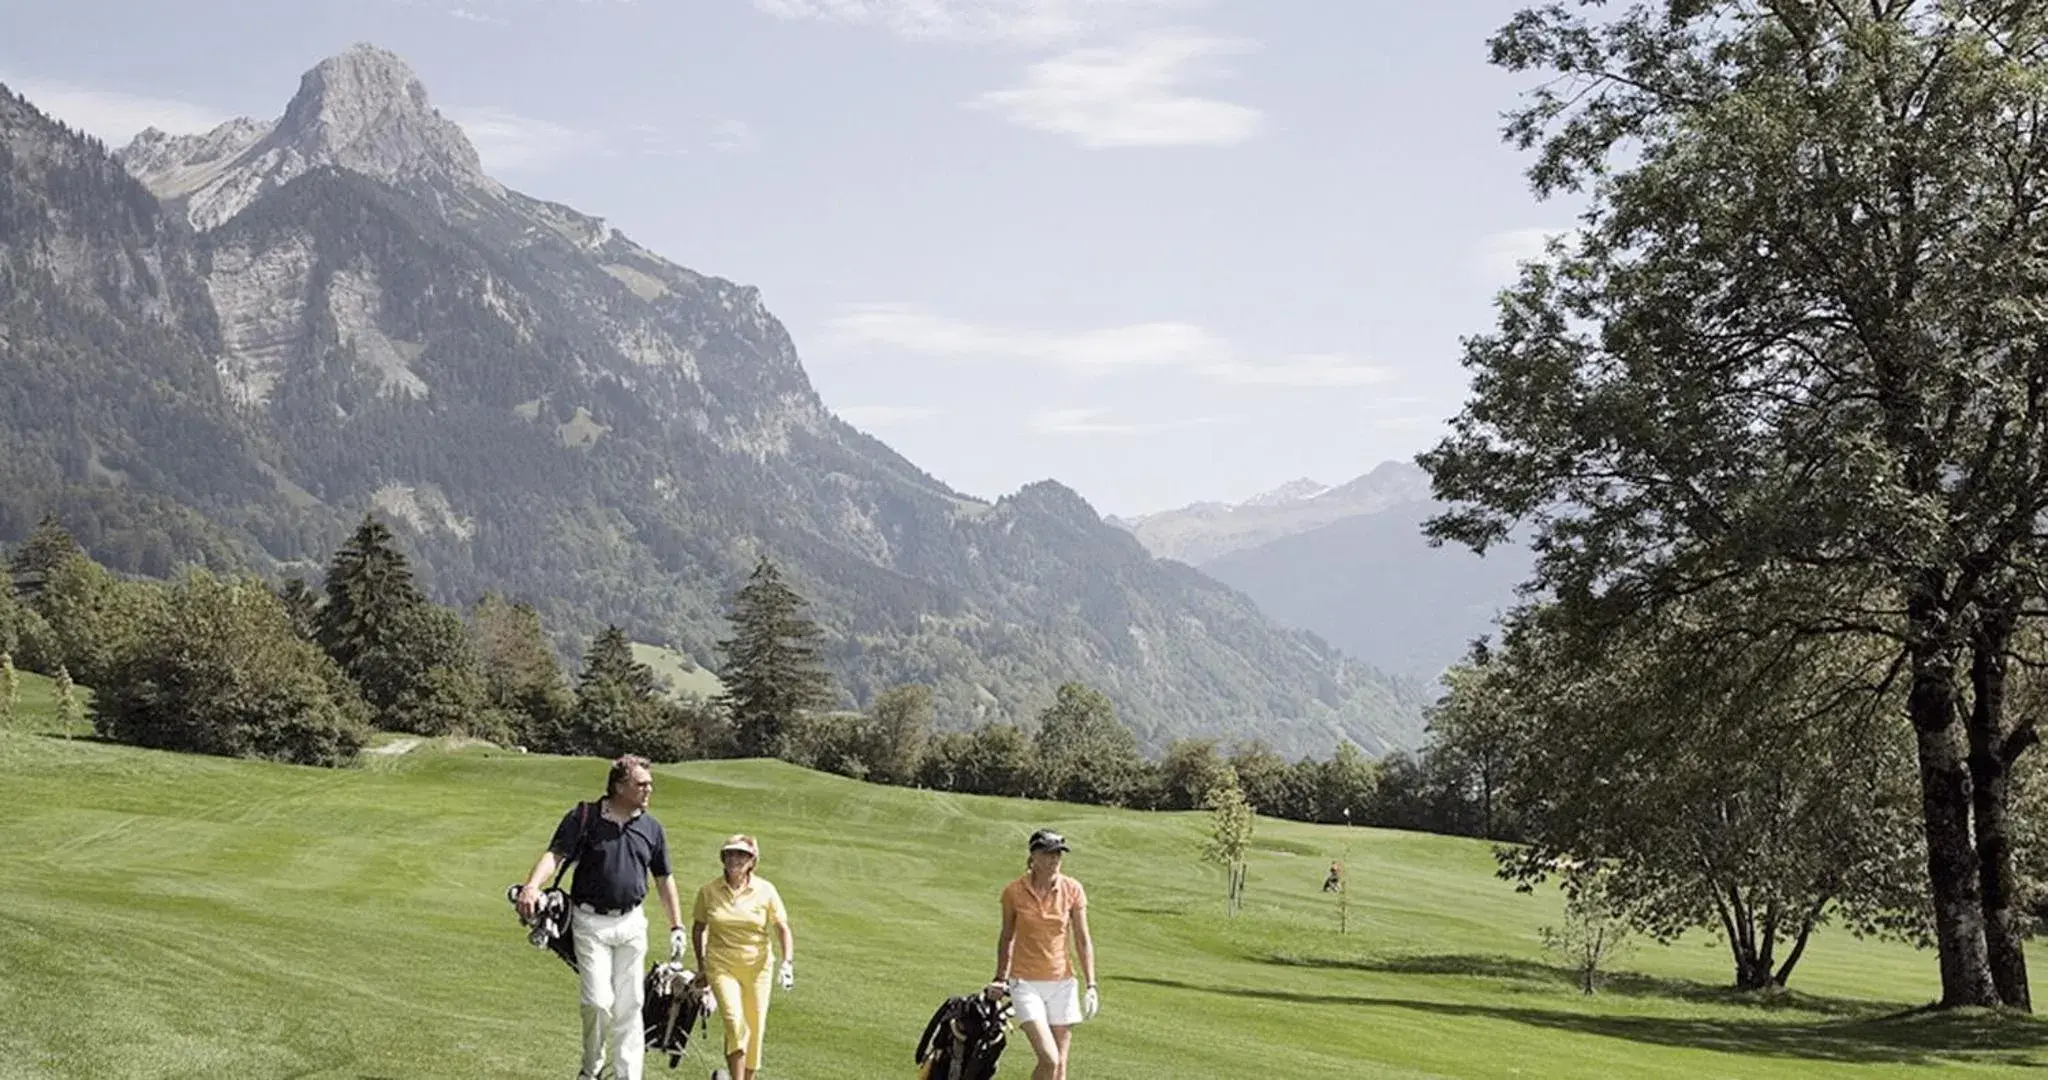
point(370, 589)
point(1085, 754)
point(773, 670)
point(1798, 333)
point(619, 710)
point(222, 671)
point(47, 546)
point(1752, 788)
point(521, 678)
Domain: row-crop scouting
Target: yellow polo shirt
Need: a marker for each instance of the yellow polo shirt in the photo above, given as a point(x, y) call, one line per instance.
point(739, 923)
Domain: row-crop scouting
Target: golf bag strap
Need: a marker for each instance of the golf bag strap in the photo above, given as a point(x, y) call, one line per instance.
point(939, 1018)
point(582, 831)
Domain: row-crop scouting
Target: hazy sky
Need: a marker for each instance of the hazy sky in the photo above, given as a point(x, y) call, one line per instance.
point(1160, 250)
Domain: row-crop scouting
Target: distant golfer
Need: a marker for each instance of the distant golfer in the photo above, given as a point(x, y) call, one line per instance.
point(1336, 879)
point(729, 925)
point(1042, 912)
point(615, 844)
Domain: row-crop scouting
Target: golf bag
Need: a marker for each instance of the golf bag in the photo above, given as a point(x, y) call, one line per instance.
point(964, 1039)
point(549, 926)
point(671, 1006)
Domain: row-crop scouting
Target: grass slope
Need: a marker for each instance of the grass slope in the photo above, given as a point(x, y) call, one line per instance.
point(678, 672)
point(175, 916)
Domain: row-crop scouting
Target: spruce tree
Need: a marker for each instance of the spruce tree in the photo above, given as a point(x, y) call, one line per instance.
point(374, 625)
point(10, 686)
point(41, 553)
point(617, 708)
point(772, 670)
point(369, 588)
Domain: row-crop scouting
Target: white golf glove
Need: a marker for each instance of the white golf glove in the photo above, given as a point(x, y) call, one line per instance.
point(677, 942)
point(788, 974)
point(1090, 1002)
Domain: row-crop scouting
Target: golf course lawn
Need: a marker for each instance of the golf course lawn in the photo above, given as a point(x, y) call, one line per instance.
point(180, 916)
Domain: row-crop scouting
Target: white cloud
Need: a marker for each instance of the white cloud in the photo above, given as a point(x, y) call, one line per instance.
point(733, 136)
point(506, 140)
point(1095, 421)
point(906, 326)
point(1498, 258)
point(1021, 22)
point(1128, 95)
point(1307, 371)
point(881, 416)
point(112, 116)
point(1170, 345)
point(472, 15)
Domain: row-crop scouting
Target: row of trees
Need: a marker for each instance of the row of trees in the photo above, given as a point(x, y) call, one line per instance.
point(1775, 419)
point(228, 665)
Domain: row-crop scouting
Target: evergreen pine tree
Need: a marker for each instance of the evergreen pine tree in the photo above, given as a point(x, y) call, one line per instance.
point(618, 710)
point(41, 553)
point(373, 624)
point(369, 588)
point(772, 669)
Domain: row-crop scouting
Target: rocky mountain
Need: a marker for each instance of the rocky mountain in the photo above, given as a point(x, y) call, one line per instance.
point(1350, 564)
point(1371, 585)
point(229, 346)
point(1203, 532)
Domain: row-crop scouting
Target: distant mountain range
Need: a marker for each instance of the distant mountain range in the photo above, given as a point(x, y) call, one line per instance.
point(227, 347)
point(1350, 564)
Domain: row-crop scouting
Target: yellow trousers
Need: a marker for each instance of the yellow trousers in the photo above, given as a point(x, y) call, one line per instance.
point(742, 998)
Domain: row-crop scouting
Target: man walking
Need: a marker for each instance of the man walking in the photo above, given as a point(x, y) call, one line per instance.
point(615, 844)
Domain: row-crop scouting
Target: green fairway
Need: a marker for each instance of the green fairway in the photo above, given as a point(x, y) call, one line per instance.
point(176, 916)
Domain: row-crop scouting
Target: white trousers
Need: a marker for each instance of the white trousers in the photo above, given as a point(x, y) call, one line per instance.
point(610, 952)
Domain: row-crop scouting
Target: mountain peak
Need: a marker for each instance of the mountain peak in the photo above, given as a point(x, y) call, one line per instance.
point(366, 111)
point(1291, 491)
point(362, 110)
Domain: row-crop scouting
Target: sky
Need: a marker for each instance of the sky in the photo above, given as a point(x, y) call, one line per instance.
point(1162, 251)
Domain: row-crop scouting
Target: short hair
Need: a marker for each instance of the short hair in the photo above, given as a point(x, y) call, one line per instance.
point(622, 767)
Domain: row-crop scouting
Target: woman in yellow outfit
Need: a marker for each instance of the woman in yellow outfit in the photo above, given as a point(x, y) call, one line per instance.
point(729, 931)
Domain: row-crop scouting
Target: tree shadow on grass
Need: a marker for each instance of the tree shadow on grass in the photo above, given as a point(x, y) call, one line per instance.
point(1919, 1037)
point(1619, 983)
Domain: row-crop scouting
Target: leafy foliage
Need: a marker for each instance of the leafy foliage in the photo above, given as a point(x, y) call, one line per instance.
point(1793, 351)
point(220, 670)
point(1084, 754)
point(1231, 824)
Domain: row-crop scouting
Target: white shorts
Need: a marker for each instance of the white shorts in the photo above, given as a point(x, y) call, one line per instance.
point(1057, 1002)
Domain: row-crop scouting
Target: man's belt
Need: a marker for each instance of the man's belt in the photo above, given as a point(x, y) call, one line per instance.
point(595, 910)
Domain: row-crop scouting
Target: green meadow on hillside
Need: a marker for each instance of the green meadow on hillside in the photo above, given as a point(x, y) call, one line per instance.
point(177, 916)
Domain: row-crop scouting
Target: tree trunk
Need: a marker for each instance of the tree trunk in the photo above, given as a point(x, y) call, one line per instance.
point(1799, 943)
point(1945, 816)
point(1991, 753)
point(1750, 974)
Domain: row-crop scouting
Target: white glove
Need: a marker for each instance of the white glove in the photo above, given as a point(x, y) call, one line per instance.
point(677, 942)
point(788, 974)
point(1089, 1004)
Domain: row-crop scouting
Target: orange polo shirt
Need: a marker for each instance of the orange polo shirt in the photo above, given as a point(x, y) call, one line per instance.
point(1038, 952)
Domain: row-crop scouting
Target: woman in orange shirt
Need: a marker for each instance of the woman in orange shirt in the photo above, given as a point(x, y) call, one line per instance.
point(1042, 912)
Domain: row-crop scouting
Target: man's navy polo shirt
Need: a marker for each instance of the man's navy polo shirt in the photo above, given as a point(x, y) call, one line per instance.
point(611, 872)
